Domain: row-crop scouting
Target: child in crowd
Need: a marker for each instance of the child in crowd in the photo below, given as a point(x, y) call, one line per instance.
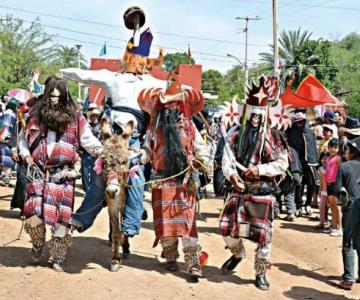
point(328, 134)
point(323, 190)
point(332, 166)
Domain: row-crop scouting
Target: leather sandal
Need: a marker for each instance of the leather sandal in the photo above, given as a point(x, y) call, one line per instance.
point(346, 285)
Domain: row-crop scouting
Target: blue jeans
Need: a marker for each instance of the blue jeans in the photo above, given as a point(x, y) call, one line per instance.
point(289, 200)
point(5, 156)
point(349, 257)
point(95, 196)
point(87, 164)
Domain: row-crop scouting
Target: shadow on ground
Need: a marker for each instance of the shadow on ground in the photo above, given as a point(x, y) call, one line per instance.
point(300, 227)
point(6, 197)
point(10, 214)
point(301, 293)
point(296, 271)
point(89, 250)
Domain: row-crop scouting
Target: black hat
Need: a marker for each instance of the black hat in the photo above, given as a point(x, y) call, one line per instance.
point(355, 144)
point(129, 17)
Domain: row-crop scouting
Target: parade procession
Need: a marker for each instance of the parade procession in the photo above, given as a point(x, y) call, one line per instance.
point(164, 167)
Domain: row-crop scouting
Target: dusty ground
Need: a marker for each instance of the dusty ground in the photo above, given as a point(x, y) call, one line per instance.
point(306, 264)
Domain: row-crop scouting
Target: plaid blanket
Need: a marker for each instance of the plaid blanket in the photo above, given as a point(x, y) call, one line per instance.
point(258, 211)
point(51, 200)
point(174, 211)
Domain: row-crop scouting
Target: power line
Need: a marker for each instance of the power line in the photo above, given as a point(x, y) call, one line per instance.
point(306, 8)
point(113, 38)
point(117, 47)
point(113, 25)
point(302, 5)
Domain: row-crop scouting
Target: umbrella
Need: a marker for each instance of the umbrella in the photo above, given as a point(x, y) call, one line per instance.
point(20, 95)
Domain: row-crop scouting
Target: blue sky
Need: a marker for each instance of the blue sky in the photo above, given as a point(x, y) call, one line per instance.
point(204, 19)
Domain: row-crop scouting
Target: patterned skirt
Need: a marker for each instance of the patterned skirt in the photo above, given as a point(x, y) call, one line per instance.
point(257, 212)
point(174, 211)
point(52, 202)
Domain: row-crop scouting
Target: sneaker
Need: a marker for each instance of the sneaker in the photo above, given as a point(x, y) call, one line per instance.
point(336, 232)
point(327, 230)
point(58, 266)
point(308, 210)
point(195, 271)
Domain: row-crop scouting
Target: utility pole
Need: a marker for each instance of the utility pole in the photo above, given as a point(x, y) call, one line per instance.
point(79, 66)
point(276, 37)
point(246, 30)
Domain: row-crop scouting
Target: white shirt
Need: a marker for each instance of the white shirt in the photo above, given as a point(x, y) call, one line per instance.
point(122, 88)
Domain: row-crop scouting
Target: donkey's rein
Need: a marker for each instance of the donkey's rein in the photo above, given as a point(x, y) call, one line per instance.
point(190, 167)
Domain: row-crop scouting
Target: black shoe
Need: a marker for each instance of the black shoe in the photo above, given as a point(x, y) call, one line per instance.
point(145, 215)
point(262, 283)
point(126, 248)
point(230, 264)
point(172, 266)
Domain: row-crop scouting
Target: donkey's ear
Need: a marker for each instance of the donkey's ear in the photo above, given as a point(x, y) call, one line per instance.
point(128, 130)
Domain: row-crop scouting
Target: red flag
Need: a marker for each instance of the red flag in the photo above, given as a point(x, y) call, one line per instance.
point(189, 51)
point(311, 92)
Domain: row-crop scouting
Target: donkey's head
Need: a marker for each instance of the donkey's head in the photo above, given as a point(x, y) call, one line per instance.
point(116, 161)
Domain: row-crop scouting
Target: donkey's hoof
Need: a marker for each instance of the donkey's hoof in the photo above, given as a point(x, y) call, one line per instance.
point(115, 266)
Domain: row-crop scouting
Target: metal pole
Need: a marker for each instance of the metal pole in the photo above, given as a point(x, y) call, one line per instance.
point(240, 63)
point(79, 66)
point(246, 55)
point(276, 37)
point(246, 30)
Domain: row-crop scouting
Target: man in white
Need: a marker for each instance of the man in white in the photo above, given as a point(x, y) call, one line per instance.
point(123, 89)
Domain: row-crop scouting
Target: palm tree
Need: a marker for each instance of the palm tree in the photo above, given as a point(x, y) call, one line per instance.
point(68, 57)
point(292, 51)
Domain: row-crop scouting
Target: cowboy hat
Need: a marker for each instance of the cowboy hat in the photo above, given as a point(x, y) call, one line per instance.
point(355, 143)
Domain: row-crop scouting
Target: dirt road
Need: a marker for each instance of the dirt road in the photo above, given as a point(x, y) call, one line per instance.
point(306, 264)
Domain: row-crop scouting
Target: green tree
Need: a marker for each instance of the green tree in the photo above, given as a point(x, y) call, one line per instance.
point(23, 48)
point(291, 44)
point(211, 81)
point(68, 57)
point(346, 55)
point(233, 84)
point(172, 60)
point(301, 55)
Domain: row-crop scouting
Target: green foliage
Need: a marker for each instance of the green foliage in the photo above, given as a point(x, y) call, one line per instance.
point(211, 81)
point(233, 84)
point(172, 60)
point(346, 55)
point(68, 57)
point(23, 48)
point(26, 46)
point(301, 56)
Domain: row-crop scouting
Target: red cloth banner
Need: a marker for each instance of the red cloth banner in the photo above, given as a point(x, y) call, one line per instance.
point(310, 92)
